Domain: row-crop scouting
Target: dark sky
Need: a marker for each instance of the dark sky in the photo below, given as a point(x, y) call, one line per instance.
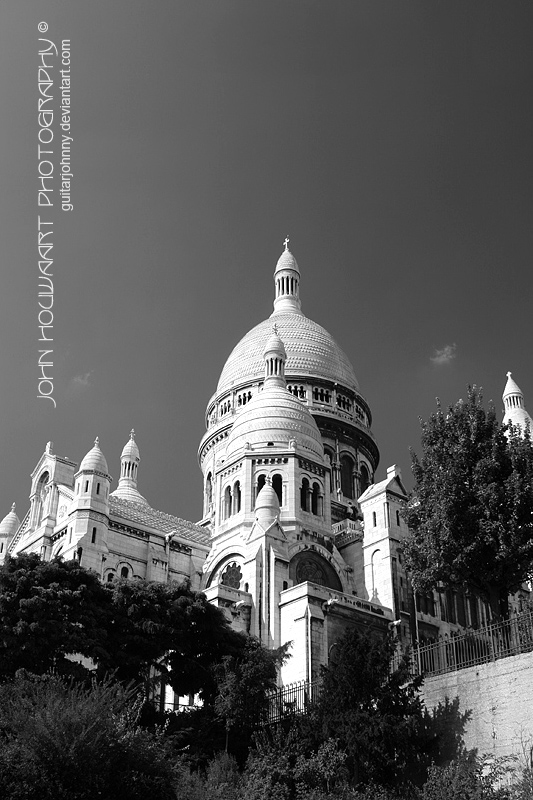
point(392, 141)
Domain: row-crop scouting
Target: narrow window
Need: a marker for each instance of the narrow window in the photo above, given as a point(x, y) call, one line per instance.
point(93, 537)
point(314, 498)
point(374, 519)
point(397, 518)
point(347, 477)
point(86, 486)
point(277, 485)
point(97, 488)
point(304, 495)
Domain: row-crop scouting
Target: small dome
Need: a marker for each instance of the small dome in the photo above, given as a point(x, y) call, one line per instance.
point(286, 261)
point(275, 416)
point(267, 505)
point(515, 411)
point(94, 461)
point(267, 498)
point(9, 524)
point(131, 450)
point(275, 345)
point(511, 387)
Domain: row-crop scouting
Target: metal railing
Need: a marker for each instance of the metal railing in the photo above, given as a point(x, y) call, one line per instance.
point(477, 646)
point(295, 698)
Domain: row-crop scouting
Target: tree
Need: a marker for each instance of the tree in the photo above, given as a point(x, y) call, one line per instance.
point(171, 628)
point(470, 515)
point(374, 712)
point(244, 682)
point(60, 740)
point(50, 610)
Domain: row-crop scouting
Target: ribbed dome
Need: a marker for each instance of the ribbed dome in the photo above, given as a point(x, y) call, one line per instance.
point(95, 460)
point(10, 523)
point(311, 351)
point(275, 415)
point(130, 449)
point(287, 261)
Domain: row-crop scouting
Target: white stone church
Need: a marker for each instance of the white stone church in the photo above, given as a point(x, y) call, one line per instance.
point(297, 540)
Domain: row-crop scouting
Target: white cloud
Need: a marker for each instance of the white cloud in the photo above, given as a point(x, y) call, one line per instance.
point(81, 381)
point(444, 355)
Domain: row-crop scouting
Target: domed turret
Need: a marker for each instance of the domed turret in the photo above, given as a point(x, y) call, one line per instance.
point(129, 465)
point(274, 417)
point(287, 280)
point(317, 372)
point(94, 460)
point(267, 505)
point(515, 411)
point(8, 528)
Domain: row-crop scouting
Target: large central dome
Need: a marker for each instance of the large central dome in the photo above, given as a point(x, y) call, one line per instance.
point(311, 352)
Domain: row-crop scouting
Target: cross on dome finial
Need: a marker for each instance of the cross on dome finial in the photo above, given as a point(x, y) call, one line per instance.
point(509, 374)
point(286, 242)
point(97, 442)
point(132, 434)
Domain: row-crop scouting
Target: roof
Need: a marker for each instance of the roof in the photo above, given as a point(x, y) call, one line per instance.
point(392, 483)
point(311, 352)
point(166, 523)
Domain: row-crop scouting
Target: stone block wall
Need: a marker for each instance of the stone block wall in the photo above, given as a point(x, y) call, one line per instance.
point(500, 696)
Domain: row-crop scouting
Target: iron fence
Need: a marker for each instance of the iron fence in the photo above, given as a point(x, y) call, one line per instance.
point(477, 646)
point(295, 698)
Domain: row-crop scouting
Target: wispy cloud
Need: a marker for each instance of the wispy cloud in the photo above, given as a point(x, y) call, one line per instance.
point(81, 381)
point(444, 355)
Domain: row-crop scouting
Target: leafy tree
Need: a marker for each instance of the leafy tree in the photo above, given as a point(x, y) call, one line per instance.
point(243, 685)
point(470, 515)
point(60, 740)
point(170, 627)
point(374, 712)
point(48, 610)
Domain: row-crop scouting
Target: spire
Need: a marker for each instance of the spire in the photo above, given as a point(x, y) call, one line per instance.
point(514, 408)
point(287, 283)
point(274, 356)
point(129, 466)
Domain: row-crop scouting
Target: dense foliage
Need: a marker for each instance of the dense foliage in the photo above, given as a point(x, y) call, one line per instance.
point(67, 733)
point(51, 610)
point(471, 512)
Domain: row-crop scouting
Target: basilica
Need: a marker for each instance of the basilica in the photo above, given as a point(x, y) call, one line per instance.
point(297, 541)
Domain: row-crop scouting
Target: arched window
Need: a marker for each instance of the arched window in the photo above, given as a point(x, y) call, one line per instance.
point(124, 572)
point(227, 502)
point(329, 459)
point(277, 485)
point(236, 497)
point(347, 477)
point(364, 478)
point(208, 491)
point(41, 496)
point(314, 498)
point(261, 480)
point(110, 577)
point(304, 495)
